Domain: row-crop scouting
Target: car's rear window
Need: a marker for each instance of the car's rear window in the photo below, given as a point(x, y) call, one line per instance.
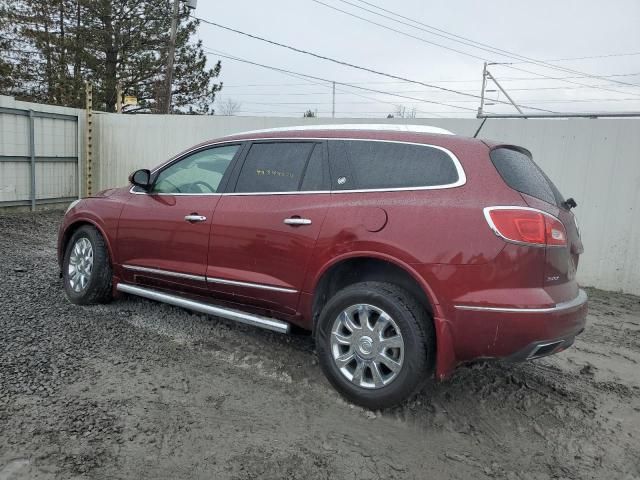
point(376, 164)
point(520, 172)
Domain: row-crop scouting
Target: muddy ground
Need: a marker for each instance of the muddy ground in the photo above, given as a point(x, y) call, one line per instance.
point(136, 389)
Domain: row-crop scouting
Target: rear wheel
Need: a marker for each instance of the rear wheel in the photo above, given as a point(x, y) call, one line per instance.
point(375, 343)
point(86, 269)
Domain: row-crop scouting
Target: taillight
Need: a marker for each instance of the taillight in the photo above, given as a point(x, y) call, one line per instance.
point(526, 225)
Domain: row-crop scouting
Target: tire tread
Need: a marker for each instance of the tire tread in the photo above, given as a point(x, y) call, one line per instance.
point(421, 327)
point(100, 288)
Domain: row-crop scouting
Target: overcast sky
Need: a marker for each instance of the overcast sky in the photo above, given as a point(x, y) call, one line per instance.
point(540, 29)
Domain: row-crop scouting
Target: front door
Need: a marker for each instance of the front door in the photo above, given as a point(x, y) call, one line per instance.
point(265, 229)
point(163, 235)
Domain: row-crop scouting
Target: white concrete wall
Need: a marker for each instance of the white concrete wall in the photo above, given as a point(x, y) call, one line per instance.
point(595, 161)
point(53, 138)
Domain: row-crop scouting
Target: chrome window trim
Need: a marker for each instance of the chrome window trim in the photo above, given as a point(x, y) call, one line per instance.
point(495, 230)
point(131, 190)
point(260, 286)
point(580, 300)
point(168, 273)
point(462, 177)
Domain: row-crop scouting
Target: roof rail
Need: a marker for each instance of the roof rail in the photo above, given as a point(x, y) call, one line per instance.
point(389, 127)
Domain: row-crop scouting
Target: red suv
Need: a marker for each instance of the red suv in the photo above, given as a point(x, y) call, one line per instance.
point(406, 251)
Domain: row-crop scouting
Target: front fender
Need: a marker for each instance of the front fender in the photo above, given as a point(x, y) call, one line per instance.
point(101, 212)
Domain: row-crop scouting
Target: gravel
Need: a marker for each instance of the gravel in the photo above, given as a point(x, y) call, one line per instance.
point(136, 389)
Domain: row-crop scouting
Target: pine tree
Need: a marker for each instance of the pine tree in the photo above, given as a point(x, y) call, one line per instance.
point(64, 42)
point(6, 70)
point(28, 30)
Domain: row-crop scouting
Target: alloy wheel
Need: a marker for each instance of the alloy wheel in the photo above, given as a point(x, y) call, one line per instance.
point(367, 346)
point(80, 264)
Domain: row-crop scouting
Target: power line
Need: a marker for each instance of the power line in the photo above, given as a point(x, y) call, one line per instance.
point(475, 80)
point(307, 80)
point(580, 87)
point(398, 31)
point(281, 94)
point(282, 70)
point(506, 65)
point(301, 76)
point(350, 65)
point(463, 40)
point(562, 78)
point(373, 100)
point(630, 54)
point(550, 101)
point(323, 85)
point(492, 49)
point(342, 112)
point(328, 112)
point(394, 91)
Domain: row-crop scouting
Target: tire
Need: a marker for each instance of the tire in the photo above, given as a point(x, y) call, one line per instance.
point(97, 285)
point(409, 319)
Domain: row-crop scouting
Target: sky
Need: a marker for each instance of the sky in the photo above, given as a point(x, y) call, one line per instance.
point(541, 30)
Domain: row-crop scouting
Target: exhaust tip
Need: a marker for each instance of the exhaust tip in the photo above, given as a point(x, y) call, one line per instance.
point(544, 349)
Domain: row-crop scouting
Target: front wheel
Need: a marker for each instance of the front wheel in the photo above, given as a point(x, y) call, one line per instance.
point(86, 269)
point(376, 344)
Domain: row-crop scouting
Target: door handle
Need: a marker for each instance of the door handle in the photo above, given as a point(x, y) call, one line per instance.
point(194, 217)
point(296, 221)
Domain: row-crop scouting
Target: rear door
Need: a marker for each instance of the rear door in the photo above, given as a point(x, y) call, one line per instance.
point(163, 234)
point(265, 229)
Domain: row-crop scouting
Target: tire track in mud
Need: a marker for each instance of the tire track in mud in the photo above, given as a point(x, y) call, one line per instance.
point(137, 389)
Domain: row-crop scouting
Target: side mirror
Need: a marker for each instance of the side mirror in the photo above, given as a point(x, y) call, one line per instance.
point(141, 178)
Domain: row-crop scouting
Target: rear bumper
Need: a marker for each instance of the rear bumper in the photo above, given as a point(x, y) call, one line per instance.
point(516, 333)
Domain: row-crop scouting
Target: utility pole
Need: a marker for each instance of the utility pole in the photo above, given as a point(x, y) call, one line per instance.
point(191, 4)
point(484, 86)
point(170, 56)
point(333, 103)
point(486, 75)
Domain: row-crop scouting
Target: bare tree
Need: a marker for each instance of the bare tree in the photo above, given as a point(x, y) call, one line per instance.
point(403, 112)
point(229, 107)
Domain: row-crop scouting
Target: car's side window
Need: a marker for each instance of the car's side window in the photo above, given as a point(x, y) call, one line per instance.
point(316, 176)
point(274, 167)
point(200, 172)
point(341, 175)
point(375, 164)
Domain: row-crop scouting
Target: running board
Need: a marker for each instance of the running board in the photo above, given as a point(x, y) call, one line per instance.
point(228, 313)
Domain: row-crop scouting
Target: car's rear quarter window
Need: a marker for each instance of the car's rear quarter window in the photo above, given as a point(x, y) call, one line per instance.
point(520, 172)
point(374, 164)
